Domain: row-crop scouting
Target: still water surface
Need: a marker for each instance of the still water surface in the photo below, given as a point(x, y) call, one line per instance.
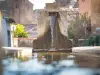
point(53, 63)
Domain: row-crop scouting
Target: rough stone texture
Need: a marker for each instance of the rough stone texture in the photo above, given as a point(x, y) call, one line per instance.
point(66, 3)
point(85, 7)
point(44, 32)
point(44, 42)
point(52, 7)
point(63, 2)
point(62, 41)
point(44, 37)
point(21, 11)
point(23, 42)
point(64, 19)
point(95, 16)
point(3, 5)
point(92, 8)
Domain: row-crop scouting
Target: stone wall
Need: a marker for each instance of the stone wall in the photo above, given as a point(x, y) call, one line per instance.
point(65, 17)
point(43, 22)
point(63, 2)
point(67, 3)
point(95, 17)
point(92, 8)
point(85, 7)
point(21, 11)
point(44, 39)
point(23, 42)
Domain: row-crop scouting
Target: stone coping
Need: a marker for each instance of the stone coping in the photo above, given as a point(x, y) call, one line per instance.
point(48, 50)
point(87, 49)
point(17, 48)
point(26, 38)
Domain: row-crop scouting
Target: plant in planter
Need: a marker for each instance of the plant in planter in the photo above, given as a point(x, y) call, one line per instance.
point(20, 32)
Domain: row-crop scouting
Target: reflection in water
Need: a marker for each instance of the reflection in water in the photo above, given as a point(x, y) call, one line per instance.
point(51, 63)
point(88, 61)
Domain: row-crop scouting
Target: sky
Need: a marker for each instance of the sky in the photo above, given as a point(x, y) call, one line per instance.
point(40, 4)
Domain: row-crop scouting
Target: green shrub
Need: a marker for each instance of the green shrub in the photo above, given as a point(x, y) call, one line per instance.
point(20, 32)
point(92, 41)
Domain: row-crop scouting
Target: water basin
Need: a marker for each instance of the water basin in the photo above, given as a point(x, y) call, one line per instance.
point(52, 63)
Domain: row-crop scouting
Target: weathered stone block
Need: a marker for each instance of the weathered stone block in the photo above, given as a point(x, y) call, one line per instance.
point(45, 41)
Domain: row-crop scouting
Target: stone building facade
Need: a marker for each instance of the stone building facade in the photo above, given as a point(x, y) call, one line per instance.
point(22, 12)
point(92, 8)
point(64, 15)
point(67, 3)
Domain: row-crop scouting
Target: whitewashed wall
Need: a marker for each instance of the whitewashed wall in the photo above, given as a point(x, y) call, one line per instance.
point(5, 28)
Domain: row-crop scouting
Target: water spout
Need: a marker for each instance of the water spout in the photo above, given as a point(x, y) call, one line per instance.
point(52, 27)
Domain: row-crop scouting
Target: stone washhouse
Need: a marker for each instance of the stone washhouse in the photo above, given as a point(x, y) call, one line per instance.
point(47, 37)
point(52, 27)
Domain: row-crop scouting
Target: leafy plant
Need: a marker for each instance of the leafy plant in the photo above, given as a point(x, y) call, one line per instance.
point(19, 31)
point(77, 26)
point(93, 40)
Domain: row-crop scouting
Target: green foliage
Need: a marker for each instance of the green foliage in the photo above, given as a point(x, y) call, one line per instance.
point(20, 32)
point(76, 27)
point(92, 41)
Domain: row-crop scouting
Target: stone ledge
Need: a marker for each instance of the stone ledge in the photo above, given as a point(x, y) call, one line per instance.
point(88, 49)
